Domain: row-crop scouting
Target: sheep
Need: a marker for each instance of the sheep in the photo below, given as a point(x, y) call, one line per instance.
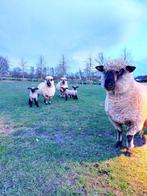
point(70, 93)
point(33, 96)
point(126, 99)
point(62, 83)
point(47, 89)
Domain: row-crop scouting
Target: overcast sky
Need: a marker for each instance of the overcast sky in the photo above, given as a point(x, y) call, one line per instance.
point(76, 28)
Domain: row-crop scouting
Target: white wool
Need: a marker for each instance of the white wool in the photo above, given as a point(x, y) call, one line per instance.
point(61, 85)
point(33, 95)
point(71, 92)
point(128, 102)
point(49, 78)
point(46, 91)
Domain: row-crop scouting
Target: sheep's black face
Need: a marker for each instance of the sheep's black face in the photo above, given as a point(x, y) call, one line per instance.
point(32, 89)
point(63, 82)
point(48, 82)
point(109, 82)
point(75, 87)
point(112, 76)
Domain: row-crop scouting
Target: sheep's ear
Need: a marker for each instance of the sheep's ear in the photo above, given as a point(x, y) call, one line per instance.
point(36, 88)
point(130, 68)
point(29, 88)
point(100, 68)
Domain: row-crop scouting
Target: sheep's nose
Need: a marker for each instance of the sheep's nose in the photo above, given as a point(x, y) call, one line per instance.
point(48, 83)
point(109, 86)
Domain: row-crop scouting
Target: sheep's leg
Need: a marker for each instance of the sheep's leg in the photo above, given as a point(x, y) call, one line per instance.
point(49, 101)
point(36, 102)
point(76, 97)
point(119, 133)
point(45, 101)
point(131, 133)
point(66, 97)
point(30, 102)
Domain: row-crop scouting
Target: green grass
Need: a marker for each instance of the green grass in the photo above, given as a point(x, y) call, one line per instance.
point(66, 148)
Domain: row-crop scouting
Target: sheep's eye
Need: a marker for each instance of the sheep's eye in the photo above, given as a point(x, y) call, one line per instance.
point(120, 73)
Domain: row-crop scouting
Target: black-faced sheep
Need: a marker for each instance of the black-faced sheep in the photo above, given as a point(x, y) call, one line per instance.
point(47, 89)
point(61, 84)
point(33, 96)
point(126, 99)
point(73, 93)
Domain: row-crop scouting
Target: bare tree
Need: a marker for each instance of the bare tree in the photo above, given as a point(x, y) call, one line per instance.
point(4, 65)
point(22, 64)
point(40, 66)
point(100, 60)
point(61, 69)
point(16, 72)
point(32, 71)
point(52, 71)
point(88, 69)
point(126, 55)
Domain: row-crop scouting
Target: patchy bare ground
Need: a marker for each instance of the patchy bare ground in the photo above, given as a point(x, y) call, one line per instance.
point(5, 127)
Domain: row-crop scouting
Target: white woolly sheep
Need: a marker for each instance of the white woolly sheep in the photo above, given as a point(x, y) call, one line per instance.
point(126, 99)
point(73, 93)
point(62, 84)
point(33, 96)
point(47, 89)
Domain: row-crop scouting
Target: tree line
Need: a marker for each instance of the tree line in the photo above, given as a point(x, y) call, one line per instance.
point(40, 70)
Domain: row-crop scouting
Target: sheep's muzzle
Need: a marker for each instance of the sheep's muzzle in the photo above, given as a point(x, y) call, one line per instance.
point(109, 82)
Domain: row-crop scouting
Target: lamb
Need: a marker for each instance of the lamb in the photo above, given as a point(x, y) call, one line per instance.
point(70, 93)
point(60, 85)
point(47, 89)
point(126, 99)
point(33, 96)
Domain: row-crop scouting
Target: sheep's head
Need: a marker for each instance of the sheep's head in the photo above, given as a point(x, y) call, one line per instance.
point(63, 81)
point(49, 81)
point(75, 87)
point(33, 89)
point(114, 72)
point(62, 89)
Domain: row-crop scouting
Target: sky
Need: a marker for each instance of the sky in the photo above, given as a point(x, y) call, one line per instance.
point(76, 28)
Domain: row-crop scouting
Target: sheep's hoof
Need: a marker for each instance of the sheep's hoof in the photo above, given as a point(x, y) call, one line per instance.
point(129, 148)
point(118, 144)
point(128, 153)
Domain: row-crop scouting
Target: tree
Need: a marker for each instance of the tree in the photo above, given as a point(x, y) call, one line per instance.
point(52, 71)
point(22, 64)
point(32, 71)
point(4, 66)
point(61, 69)
point(40, 65)
point(88, 69)
point(100, 60)
point(126, 55)
point(16, 72)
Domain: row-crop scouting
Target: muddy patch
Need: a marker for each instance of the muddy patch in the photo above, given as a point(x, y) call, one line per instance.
point(5, 127)
point(56, 137)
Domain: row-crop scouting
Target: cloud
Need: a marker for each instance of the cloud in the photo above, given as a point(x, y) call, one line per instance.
point(76, 28)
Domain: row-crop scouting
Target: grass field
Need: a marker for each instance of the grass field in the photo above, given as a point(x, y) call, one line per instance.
point(66, 148)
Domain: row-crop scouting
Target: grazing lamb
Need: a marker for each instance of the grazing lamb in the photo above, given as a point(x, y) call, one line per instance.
point(126, 99)
point(33, 96)
point(73, 93)
point(47, 89)
point(60, 85)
